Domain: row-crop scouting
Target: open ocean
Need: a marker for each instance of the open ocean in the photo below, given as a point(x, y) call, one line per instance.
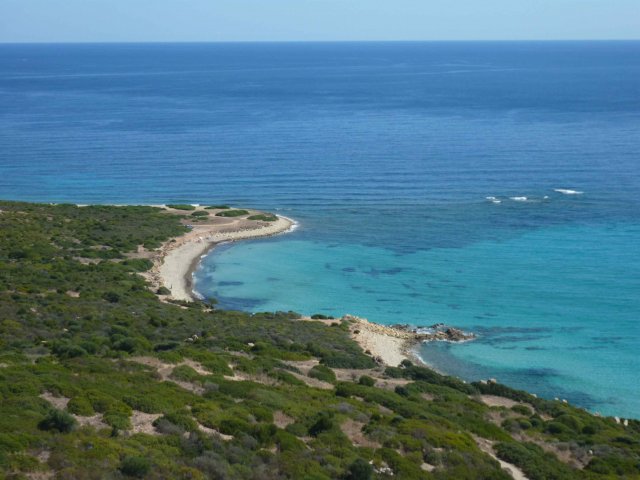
point(386, 154)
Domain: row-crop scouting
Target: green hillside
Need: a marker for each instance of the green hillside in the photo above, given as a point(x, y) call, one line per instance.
point(100, 379)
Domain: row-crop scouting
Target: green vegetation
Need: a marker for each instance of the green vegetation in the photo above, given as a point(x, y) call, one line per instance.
point(232, 213)
point(58, 420)
point(181, 206)
point(324, 373)
point(263, 217)
point(200, 213)
point(100, 379)
point(217, 207)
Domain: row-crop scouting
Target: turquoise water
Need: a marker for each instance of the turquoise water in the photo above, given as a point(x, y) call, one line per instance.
point(555, 309)
point(385, 153)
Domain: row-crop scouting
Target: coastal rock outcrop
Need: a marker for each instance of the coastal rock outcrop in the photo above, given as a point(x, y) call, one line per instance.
point(437, 332)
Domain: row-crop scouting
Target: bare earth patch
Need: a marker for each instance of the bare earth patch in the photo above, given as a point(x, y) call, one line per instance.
point(165, 370)
point(304, 366)
point(215, 433)
point(495, 401)
point(248, 377)
point(281, 419)
point(143, 422)
point(311, 382)
point(94, 421)
point(58, 402)
point(61, 403)
point(353, 430)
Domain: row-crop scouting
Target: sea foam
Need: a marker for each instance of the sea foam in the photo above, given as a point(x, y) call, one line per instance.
point(566, 191)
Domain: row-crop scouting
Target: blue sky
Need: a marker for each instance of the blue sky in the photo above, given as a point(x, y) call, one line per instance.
point(282, 20)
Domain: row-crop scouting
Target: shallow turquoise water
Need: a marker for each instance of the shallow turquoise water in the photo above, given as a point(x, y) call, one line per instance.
point(555, 309)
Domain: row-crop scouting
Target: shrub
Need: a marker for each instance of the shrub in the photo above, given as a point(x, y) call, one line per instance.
point(522, 410)
point(359, 470)
point(319, 316)
point(324, 373)
point(366, 381)
point(323, 423)
point(163, 291)
point(80, 406)
point(263, 218)
point(180, 418)
point(135, 466)
point(288, 443)
point(536, 464)
point(111, 297)
point(181, 206)
point(58, 420)
point(232, 213)
point(217, 207)
point(65, 349)
point(200, 213)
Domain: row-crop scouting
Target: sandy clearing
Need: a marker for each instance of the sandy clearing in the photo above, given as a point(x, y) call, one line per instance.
point(353, 430)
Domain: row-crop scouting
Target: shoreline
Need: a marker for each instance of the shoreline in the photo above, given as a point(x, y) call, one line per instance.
point(179, 257)
point(391, 345)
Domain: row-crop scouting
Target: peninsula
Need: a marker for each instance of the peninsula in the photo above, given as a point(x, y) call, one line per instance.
point(176, 260)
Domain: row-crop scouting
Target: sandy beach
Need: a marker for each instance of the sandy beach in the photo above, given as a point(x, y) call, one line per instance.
point(175, 261)
point(388, 345)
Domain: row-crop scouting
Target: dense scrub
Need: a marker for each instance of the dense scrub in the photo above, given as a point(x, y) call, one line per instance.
point(232, 213)
point(263, 217)
point(100, 379)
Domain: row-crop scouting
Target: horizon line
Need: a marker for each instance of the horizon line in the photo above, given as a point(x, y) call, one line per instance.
point(166, 42)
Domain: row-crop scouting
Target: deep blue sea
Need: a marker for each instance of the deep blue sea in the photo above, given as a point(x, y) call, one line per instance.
point(386, 154)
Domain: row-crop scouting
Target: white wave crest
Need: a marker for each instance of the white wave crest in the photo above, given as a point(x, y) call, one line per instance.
point(519, 199)
point(294, 224)
point(566, 191)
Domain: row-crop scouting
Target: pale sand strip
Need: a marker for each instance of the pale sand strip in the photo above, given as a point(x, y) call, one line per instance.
point(388, 349)
point(176, 260)
point(389, 345)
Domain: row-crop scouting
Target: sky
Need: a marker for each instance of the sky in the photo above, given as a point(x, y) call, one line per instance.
point(315, 20)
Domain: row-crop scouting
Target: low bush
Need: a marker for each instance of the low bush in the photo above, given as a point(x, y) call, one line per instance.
point(217, 207)
point(136, 467)
point(59, 421)
point(323, 423)
point(324, 373)
point(80, 406)
point(263, 218)
point(232, 213)
point(534, 462)
point(200, 213)
point(360, 469)
point(522, 410)
point(181, 206)
point(366, 381)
